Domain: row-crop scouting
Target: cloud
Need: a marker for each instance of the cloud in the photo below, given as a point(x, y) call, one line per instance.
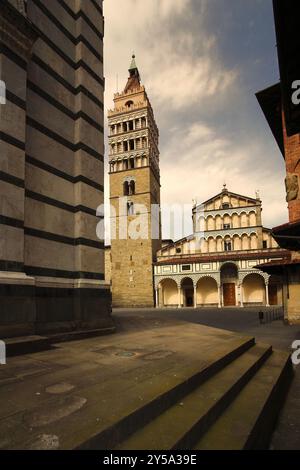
point(211, 129)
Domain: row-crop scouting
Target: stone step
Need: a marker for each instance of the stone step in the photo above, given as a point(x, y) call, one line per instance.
point(249, 421)
point(80, 334)
point(157, 391)
point(179, 426)
point(26, 345)
point(30, 344)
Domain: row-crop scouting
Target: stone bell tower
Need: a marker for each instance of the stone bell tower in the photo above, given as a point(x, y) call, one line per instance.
point(134, 194)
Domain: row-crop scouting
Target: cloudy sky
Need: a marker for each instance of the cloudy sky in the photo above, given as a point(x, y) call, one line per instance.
point(202, 62)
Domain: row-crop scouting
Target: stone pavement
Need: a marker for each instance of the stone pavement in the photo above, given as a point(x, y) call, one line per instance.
point(62, 397)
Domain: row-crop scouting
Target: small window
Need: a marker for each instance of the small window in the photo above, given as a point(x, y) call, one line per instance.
point(228, 246)
point(226, 226)
point(178, 250)
point(129, 104)
point(125, 188)
point(130, 208)
point(131, 188)
point(131, 125)
point(186, 267)
point(265, 244)
point(225, 205)
point(131, 163)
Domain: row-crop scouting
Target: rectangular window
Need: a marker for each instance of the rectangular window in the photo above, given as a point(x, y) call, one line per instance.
point(228, 246)
point(265, 244)
point(226, 226)
point(186, 267)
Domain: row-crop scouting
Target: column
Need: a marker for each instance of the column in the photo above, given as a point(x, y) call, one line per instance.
point(195, 296)
point(236, 295)
point(241, 294)
point(220, 295)
point(156, 298)
point(179, 296)
point(267, 294)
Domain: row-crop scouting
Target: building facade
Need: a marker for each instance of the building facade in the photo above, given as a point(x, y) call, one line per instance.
point(283, 117)
point(134, 192)
point(217, 265)
point(51, 167)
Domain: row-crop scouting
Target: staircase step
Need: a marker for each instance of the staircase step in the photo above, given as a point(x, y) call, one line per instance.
point(26, 345)
point(249, 421)
point(80, 334)
point(157, 389)
point(179, 426)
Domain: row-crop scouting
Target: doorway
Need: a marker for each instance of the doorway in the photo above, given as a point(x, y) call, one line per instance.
point(229, 294)
point(188, 292)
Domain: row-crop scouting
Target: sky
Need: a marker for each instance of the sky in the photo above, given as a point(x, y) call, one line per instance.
point(202, 61)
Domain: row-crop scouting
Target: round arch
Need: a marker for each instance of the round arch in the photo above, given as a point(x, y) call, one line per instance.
point(254, 289)
point(207, 292)
point(168, 292)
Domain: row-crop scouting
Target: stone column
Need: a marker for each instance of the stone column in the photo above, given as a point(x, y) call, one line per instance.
point(241, 294)
point(179, 296)
point(220, 295)
point(156, 298)
point(195, 296)
point(267, 294)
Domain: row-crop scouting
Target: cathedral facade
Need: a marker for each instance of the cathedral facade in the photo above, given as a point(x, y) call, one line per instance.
point(217, 265)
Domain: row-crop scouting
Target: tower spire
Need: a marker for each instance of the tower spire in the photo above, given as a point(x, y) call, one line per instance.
point(134, 79)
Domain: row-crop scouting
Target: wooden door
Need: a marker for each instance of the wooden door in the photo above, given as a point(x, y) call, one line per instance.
point(273, 298)
point(229, 294)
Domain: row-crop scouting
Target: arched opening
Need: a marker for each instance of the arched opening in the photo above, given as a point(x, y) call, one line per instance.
point(245, 242)
point(130, 123)
point(244, 219)
point(131, 188)
point(211, 245)
point(168, 293)
point(207, 292)
point(210, 221)
point(229, 277)
point(187, 287)
point(252, 219)
point(254, 290)
point(235, 221)
point(219, 241)
point(237, 243)
point(125, 188)
point(129, 104)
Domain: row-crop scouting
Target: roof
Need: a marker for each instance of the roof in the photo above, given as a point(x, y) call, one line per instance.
point(276, 266)
point(270, 103)
point(286, 16)
point(288, 235)
point(229, 193)
point(134, 79)
point(230, 256)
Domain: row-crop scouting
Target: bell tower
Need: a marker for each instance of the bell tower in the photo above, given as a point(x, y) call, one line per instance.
point(134, 194)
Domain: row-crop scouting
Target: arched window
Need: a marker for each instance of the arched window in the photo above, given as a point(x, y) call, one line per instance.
point(126, 188)
point(131, 188)
point(129, 104)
